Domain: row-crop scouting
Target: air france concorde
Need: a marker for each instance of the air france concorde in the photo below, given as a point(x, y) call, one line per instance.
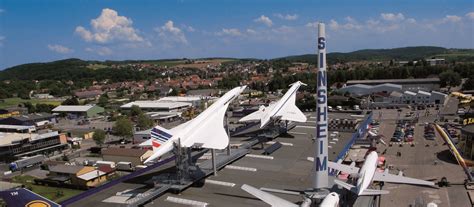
point(206, 130)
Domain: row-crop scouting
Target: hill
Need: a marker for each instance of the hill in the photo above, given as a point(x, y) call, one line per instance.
point(76, 69)
point(404, 53)
point(57, 70)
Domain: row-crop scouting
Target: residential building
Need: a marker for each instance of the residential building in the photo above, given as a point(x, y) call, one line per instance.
point(135, 156)
point(436, 61)
point(80, 176)
point(91, 94)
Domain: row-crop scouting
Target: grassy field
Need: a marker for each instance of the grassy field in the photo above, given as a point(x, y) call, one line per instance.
point(458, 54)
point(53, 193)
point(96, 66)
point(9, 102)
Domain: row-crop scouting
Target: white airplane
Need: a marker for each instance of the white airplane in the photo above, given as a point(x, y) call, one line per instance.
point(206, 130)
point(331, 200)
point(368, 173)
point(283, 109)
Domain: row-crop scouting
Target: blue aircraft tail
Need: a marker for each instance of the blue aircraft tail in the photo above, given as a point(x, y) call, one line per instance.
point(25, 198)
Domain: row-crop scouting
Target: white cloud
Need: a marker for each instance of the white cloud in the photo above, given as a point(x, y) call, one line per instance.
point(392, 16)
point(171, 34)
point(230, 32)
point(284, 29)
point(2, 38)
point(451, 18)
point(60, 49)
point(251, 31)
point(102, 51)
point(350, 19)
point(350, 25)
point(287, 16)
point(470, 15)
point(2, 10)
point(264, 20)
point(189, 28)
point(108, 27)
point(411, 20)
point(312, 24)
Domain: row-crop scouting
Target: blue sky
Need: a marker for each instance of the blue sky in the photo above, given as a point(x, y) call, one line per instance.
point(39, 31)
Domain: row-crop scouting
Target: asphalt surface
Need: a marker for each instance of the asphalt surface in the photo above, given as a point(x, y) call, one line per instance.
point(289, 169)
point(428, 159)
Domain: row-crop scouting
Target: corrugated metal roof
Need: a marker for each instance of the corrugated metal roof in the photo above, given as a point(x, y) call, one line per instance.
point(381, 81)
point(72, 108)
point(17, 127)
point(91, 175)
point(33, 117)
point(69, 169)
point(181, 98)
point(157, 104)
point(424, 93)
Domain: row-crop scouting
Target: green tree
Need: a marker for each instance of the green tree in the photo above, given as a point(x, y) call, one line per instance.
point(31, 108)
point(135, 111)
point(144, 122)
point(99, 136)
point(44, 107)
point(123, 127)
point(70, 101)
point(469, 84)
point(103, 100)
point(450, 78)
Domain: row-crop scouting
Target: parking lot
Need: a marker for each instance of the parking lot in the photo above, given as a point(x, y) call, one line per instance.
point(426, 159)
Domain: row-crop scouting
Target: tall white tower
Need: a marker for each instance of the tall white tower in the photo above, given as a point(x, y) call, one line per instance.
point(320, 169)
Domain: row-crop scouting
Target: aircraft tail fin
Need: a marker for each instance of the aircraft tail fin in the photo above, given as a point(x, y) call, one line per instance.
point(267, 197)
point(159, 141)
point(159, 136)
point(290, 111)
point(23, 197)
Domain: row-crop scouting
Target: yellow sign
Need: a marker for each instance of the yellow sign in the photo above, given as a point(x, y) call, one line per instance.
point(468, 121)
point(37, 203)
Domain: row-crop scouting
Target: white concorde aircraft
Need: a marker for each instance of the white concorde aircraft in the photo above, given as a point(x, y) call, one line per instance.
point(283, 109)
point(206, 130)
point(331, 200)
point(368, 173)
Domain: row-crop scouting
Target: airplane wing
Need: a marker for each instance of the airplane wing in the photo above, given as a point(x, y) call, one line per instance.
point(268, 198)
point(353, 189)
point(290, 112)
point(255, 116)
point(210, 133)
point(390, 178)
point(24, 197)
point(344, 168)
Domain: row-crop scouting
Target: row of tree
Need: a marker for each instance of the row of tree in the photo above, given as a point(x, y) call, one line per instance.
point(123, 126)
